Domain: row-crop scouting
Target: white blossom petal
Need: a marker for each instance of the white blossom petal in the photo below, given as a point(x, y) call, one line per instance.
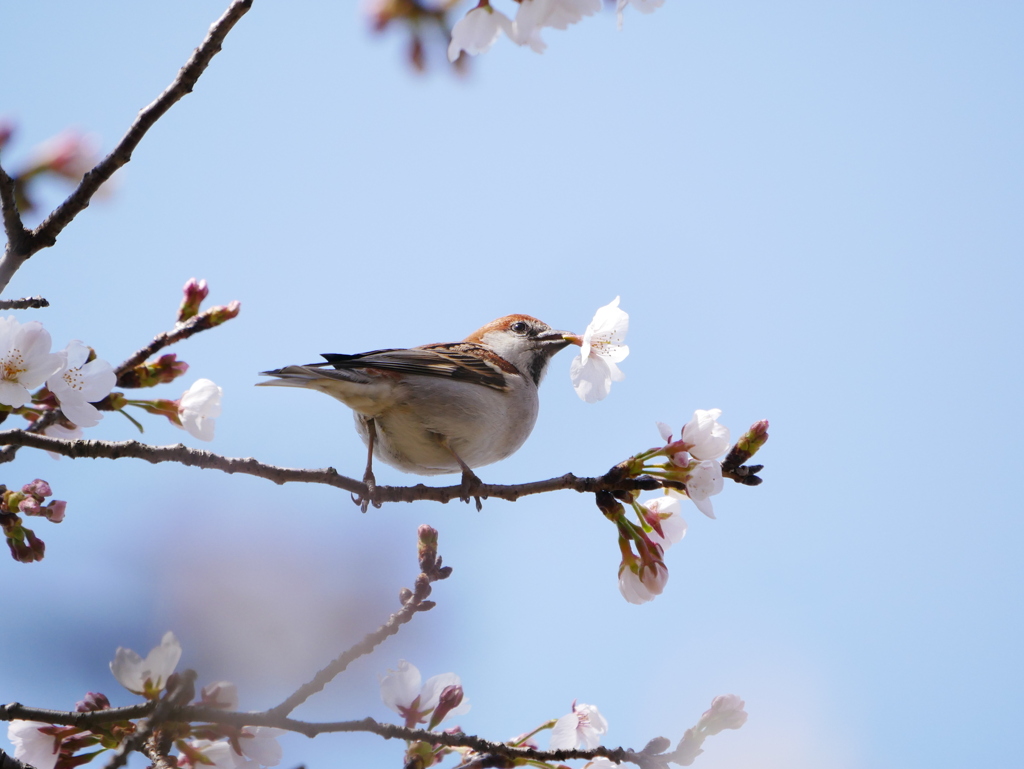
point(593, 370)
point(582, 728)
point(260, 744)
point(432, 689)
point(709, 438)
point(668, 510)
point(476, 32)
point(79, 384)
point(31, 745)
point(705, 480)
point(25, 360)
point(400, 687)
point(632, 589)
point(198, 407)
point(133, 672)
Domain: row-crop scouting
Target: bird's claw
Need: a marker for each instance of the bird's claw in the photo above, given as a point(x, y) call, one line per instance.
point(469, 489)
point(370, 497)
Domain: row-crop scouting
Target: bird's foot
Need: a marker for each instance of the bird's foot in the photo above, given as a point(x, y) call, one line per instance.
point(470, 488)
point(370, 497)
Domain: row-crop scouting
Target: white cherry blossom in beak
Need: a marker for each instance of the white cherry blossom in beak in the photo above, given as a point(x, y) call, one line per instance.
point(601, 348)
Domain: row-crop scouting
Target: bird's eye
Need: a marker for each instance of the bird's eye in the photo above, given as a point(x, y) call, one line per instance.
point(519, 327)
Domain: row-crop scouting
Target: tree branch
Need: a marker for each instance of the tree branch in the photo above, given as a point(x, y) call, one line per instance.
point(17, 235)
point(29, 302)
point(22, 244)
point(611, 481)
point(193, 325)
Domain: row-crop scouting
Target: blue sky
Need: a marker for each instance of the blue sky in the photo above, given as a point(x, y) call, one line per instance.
point(811, 213)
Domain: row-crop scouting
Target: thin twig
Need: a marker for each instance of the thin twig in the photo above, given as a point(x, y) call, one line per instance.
point(193, 325)
point(28, 303)
point(15, 230)
point(415, 602)
point(23, 244)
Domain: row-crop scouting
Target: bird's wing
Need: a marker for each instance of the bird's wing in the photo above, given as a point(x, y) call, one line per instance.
point(463, 361)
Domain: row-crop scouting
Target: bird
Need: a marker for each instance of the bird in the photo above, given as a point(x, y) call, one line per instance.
point(440, 408)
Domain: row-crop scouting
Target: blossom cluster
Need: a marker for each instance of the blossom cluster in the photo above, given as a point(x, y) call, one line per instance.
point(81, 385)
point(24, 545)
point(431, 702)
point(47, 746)
point(480, 28)
point(691, 469)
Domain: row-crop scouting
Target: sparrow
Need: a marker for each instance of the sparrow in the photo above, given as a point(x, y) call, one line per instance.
point(440, 408)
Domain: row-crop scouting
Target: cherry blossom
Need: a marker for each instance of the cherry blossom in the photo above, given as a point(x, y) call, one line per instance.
point(33, 746)
point(198, 407)
point(260, 744)
point(477, 31)
point(205, 754)
point(666, 511)
point(25, 360)
point(222, 694)
point(703, 482)
point(402, 690)
point(601, 347)
point(147, 676)
point(582, 728)
point(708, 439)
point(79, 384)
point(534, 15)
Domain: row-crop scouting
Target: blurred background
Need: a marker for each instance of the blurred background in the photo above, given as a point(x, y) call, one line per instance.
point(812, 213)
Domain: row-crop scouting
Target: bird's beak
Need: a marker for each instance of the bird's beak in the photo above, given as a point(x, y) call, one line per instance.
point(559, 340)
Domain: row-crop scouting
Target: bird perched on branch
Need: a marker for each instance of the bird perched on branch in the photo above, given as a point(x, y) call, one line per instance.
point(440, 408)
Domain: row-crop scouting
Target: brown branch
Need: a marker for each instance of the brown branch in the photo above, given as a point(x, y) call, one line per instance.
point(193, 325)
point(22, 244)
point(18, 712)
point(393, 731)
point(10, 762)
point(8, 453)
point(611, 481)
point(17, 235)
point(29, 302)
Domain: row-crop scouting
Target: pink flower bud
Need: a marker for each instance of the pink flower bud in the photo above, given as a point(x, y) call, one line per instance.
point(195, 291)
point(25, 546)
point(92, 701)
point(54, 511)
point(163, 370)
point(726, 712)
point(38, 487)
point(451, 698)
point(30, 506)
point(221, 314)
